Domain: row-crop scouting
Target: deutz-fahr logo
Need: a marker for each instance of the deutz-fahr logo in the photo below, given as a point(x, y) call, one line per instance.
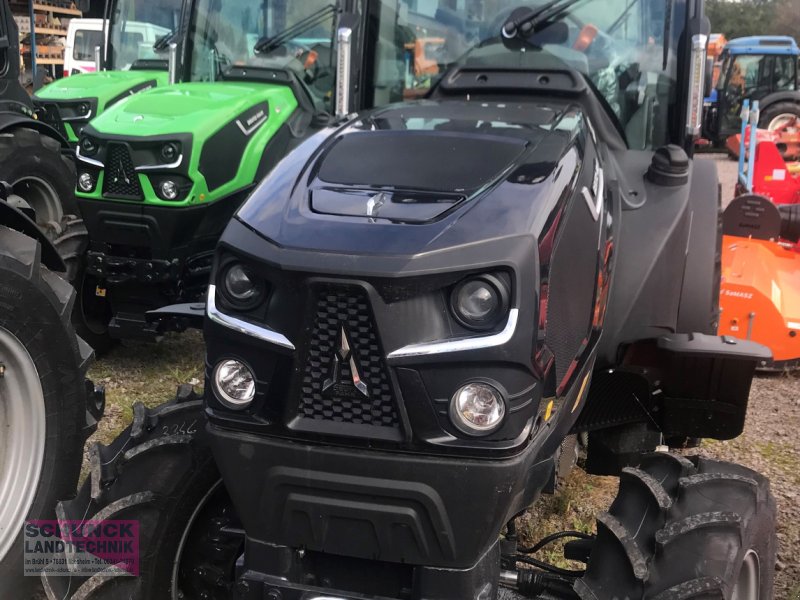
point(121, 174)
point(343, 381)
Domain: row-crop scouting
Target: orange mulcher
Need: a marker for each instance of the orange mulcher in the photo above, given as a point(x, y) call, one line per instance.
point(760, 291)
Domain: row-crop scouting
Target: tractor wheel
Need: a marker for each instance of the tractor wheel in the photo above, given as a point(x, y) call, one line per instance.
point(42, 399)
point(34, 166)
point(71, 242)
point(778, 114)
point(681, 529)
point(159, 472)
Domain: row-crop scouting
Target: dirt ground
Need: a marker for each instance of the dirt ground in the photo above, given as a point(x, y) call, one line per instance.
point(770, 443)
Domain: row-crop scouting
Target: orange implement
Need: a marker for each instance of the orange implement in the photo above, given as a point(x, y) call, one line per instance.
point(760, 297)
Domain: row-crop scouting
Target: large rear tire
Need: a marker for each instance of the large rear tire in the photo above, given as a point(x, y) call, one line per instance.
point(682, 529)
point(43, 420)
point(159, 472)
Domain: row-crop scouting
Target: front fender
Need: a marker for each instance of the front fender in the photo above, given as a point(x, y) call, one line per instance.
point(779, 97)
point(10, 120)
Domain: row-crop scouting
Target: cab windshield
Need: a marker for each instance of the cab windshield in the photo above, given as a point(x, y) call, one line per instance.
point(624, 48)
point(136, 26)
point(263, 34)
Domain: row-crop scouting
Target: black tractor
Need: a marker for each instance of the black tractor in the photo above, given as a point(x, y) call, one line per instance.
point(420, 304)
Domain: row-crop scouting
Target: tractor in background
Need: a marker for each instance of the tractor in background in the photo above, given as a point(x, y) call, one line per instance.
point(762, 68)
point(160, 175)
point(138, 37)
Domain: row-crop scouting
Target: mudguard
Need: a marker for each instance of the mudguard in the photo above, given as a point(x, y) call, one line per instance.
point(787, 96)
point(15, 219)
point(10, 120)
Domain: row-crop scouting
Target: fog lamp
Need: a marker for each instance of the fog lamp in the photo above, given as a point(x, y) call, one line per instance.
point(477, 409)
point(235, 384)
point(86, 182)
point(169, 190)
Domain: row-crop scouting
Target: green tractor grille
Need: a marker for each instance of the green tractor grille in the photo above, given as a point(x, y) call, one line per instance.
point(121, 180)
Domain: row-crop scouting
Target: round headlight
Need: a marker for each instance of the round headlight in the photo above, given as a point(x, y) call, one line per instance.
point(477, 409)
point(83, 109)
point(88, 147)
point(169, 152)
point(241, 287)
point(235, 384)
point(480, 302)
point(85, 182)
point(169, 190)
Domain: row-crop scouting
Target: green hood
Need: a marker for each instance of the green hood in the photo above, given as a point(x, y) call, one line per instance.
point(104, 86)
point(196, 108)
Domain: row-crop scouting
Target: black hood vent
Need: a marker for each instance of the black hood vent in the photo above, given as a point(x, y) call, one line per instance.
point(450, 162)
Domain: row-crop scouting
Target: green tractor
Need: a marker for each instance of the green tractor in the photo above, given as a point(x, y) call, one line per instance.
point(141, 37)
point(161, 174)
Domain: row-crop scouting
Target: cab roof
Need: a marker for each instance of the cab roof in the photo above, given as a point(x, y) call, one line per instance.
point(763, 44)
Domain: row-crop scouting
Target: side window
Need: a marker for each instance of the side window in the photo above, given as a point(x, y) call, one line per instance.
point(785, 73)
point(85, 43)
point(750, 76)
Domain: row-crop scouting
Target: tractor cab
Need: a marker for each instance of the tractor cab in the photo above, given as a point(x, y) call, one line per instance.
point(134, 57)
point(762, 68)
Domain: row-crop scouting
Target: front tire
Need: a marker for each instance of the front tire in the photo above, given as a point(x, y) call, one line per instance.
point(159, 472)
point(681, 529)
point(40, 174)
point(42, 399)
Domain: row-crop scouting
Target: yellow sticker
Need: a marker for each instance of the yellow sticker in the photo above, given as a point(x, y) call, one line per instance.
point(548, 411)
point(580, 393)
point(100, 292)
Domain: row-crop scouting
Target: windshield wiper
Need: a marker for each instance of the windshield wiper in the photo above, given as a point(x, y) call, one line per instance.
point(163, 42)
point(267, 44)
point(523, 25)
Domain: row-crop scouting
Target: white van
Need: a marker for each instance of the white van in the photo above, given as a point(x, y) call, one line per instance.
point(83, 36)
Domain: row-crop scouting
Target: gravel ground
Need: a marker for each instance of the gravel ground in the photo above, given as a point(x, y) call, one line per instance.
point(770, 443)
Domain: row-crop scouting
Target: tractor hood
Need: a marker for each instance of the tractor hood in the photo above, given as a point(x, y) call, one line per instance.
point(189, 108)
point(422, 178)
point(106, 87)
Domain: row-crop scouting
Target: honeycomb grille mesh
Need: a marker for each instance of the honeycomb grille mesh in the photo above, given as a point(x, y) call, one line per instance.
point(328, 394)
point(121, 179)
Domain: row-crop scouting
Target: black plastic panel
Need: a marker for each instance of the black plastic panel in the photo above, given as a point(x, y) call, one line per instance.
point(419, 160)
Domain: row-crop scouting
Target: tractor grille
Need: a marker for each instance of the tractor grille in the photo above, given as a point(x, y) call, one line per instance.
point(344, 352)
point(121, 179)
